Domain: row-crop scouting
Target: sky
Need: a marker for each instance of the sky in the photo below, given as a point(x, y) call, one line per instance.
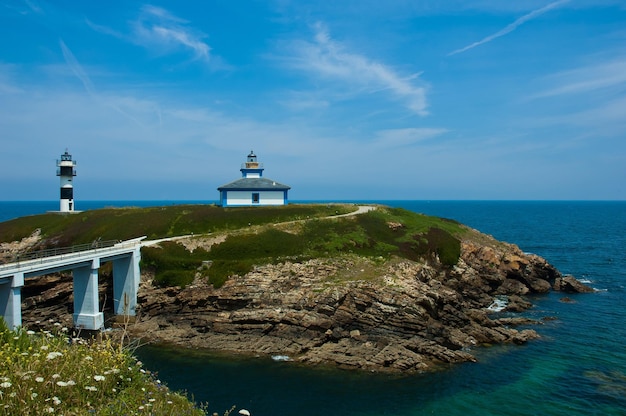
point(341, 100)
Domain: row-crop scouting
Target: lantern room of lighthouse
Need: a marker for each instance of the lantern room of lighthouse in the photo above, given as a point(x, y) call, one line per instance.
point(252, 189)
point(66, 172)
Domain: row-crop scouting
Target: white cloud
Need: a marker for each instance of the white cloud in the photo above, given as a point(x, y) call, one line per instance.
point(326, 58)
point(510, 28)
point(158, 29)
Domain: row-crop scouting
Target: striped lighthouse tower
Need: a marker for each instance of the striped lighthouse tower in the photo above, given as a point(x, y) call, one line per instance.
point(66, 171)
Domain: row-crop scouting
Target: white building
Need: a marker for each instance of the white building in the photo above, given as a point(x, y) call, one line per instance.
point(253, 189)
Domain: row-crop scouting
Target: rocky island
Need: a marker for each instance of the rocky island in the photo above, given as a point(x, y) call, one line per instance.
point(385, 290)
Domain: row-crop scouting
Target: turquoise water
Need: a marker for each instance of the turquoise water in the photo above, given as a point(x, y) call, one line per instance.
point(578, 367)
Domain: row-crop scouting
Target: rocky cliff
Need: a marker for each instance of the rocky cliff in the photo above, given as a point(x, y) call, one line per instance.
point(349, 311)
point(356, 312)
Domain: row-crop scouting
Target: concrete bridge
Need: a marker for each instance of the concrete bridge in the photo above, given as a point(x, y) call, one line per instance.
point(84, 262)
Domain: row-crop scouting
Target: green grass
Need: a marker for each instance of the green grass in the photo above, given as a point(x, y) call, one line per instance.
point(45, 373)
point(63, 230)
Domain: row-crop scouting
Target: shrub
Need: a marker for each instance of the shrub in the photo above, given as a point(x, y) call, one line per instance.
point(172, 264)
point(221, 270)
point(445, 245)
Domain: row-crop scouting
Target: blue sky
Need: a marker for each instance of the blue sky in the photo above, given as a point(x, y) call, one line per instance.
point(354, 99)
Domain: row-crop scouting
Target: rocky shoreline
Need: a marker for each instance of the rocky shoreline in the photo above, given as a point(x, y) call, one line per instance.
point(351, 312)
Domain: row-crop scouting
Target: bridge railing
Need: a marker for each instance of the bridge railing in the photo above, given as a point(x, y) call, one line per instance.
point(65, 251)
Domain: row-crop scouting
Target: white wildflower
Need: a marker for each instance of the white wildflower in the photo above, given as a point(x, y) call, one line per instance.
point(99, 378)
point(53, 355)
point(56, 401)
point(39, 379)
point(6, 385)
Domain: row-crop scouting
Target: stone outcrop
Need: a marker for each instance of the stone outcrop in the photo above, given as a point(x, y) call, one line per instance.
point(9, 251)
point(351, 312)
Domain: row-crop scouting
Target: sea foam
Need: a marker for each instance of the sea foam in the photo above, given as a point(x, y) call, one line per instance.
point(499, 304)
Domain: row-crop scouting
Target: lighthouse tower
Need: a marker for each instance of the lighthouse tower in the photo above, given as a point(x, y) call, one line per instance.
point(66, 171)
point(252, 168)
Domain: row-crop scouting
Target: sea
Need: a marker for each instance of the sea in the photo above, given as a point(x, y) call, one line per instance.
point(577, 367)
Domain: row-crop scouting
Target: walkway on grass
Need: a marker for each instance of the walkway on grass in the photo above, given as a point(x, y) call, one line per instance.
point(362, 209)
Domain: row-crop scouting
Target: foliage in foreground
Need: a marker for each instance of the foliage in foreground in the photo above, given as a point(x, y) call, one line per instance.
point(49, 373)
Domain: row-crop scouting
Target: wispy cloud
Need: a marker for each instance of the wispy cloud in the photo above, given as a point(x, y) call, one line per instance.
point(81, 74)
point(158, 28)
point(7, 85)
point(394, 138)
point(76, 67)
point(586, 79)
point(510, 28)
point(33, 6)
point(327, 58)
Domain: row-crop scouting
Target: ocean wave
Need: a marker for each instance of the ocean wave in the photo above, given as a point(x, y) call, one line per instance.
point(281, 358)
point(499, 303)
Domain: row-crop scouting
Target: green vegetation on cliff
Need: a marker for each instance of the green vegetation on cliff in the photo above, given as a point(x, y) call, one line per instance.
point(381, 233)
point(257, 235)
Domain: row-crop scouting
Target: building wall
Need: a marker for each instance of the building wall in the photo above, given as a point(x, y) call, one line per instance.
point(240, 198)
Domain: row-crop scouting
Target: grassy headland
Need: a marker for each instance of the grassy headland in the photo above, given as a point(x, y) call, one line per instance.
point(255, 235)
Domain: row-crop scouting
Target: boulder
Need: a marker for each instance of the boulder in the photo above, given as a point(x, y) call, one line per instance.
point(569, 284)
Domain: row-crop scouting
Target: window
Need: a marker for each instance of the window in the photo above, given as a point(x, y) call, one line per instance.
point(255, 198)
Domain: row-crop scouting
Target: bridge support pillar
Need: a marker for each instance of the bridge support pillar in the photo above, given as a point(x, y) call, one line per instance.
point(126, 277)
point(11, 300)
point(87, 313)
